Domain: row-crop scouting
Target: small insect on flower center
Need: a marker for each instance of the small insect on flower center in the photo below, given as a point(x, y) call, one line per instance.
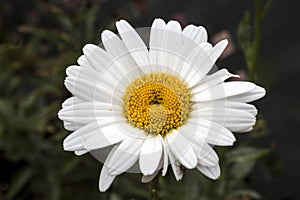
point(157, 103)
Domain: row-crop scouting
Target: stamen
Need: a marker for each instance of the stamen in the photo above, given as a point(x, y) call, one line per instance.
point(157, 103)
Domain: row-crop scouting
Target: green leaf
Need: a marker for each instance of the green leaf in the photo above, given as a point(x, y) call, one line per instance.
point(19, 182)
point(239, 171)
point(247, 153)
point(244, 37)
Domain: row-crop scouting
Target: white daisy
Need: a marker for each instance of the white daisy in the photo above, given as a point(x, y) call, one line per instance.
point(141, 109)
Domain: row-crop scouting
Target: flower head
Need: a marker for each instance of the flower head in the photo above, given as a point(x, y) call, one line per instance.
point(140, 109)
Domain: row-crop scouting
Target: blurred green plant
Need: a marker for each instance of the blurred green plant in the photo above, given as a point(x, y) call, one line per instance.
point(35, 49)
point(250, 41)
point(33, 59)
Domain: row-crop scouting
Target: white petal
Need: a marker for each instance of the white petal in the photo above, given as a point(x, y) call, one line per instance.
point(71, 101)
point(222, 106)
point(192, 51)
point(170, 45)
point(182, 149)
point(211, 172)
point(105, 64)
point(165, 157)
point(193, 37)
point(73, 70)
point(233, 119)
point(99, 59)
point(202, 62)
point(248, 129)
point(197, 34)
point(87, 112)
point(95, 135)
point(212, 80)
point(81, 152)
point(102, 80)
point(224, 90)
point(125, 156)
point(150, 155)
point(205, 154)
point(89, 91)
point(176, 165)
point(74, 144)
point(209, 131)
point(68, 103)
point(249, 96)
point(116, 48)
point(134, 43)
point(72, 126)
point(218, 49)
point(155, 42)
point(106, 179)
point(207, 47)
point(83, 62)
point(148, 178)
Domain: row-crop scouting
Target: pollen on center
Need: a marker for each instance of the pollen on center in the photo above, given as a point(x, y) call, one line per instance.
point(157, 103)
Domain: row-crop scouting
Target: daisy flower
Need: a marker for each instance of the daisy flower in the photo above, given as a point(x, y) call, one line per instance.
point(140, 108)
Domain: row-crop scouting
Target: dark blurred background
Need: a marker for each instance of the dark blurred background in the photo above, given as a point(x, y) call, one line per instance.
point(39, 39)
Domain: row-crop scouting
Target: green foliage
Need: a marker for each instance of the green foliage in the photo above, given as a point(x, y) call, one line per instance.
point(236, 165)
point(33, 61)
point(35, 49)
point(251, 42)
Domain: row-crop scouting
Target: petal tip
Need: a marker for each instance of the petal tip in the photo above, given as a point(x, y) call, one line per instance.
point(173, 25)
point(107, 35)
point(225, 42)
point(88, 48)
point(158, 23)
point(59, 114)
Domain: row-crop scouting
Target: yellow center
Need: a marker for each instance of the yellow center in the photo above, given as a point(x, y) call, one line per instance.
point(157, 103)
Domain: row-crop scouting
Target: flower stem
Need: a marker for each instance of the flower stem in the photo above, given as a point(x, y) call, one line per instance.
point(153, 189)
point(257, 37)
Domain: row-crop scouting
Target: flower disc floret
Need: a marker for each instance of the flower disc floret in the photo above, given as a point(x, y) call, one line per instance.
point(157, 103)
